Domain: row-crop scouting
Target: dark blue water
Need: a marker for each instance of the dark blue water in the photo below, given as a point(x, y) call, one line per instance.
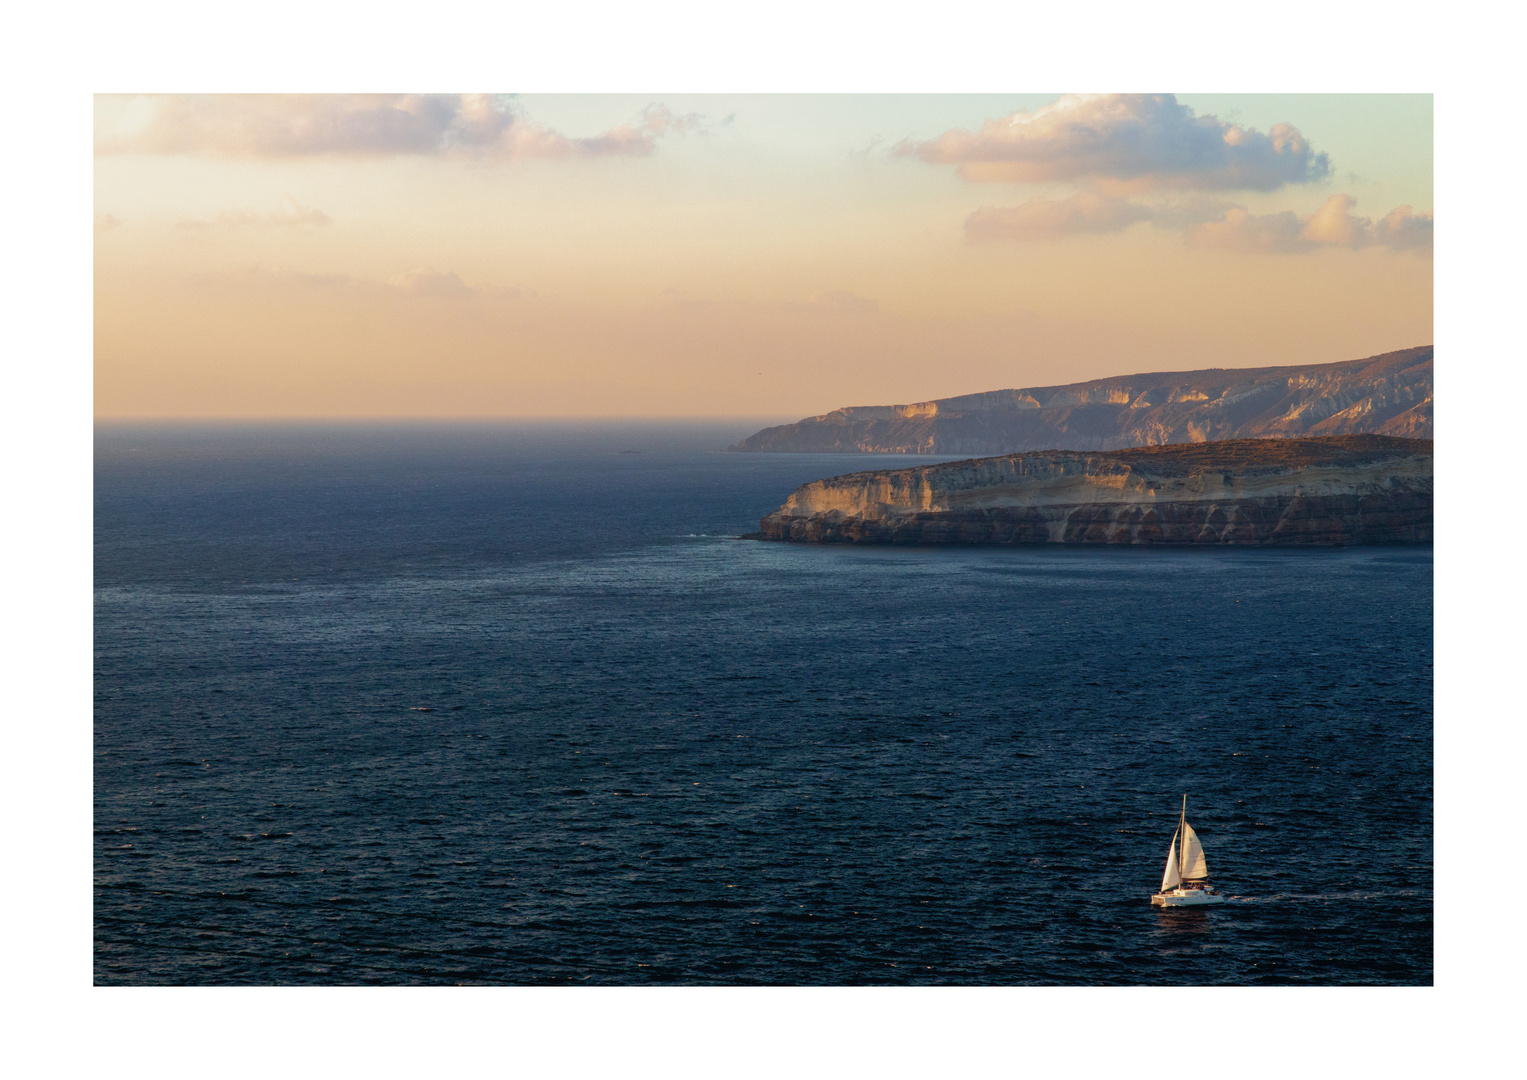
point(509, 705)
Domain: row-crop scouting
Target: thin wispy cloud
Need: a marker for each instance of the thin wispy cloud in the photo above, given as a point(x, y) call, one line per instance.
point(822, 304)
point(288, 214)
point(371, 125)
point(1205, 223)
point(1053, 219)
point(280, 279)
point(1135, 141)
point(423, 282)
point(427, 281)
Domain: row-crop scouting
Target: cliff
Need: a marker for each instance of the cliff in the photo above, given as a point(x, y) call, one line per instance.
point(1354, 489)
point(1384, 395)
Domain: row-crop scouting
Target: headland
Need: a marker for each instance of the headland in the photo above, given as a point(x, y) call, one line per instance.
point(1389, 394)
point(1331, 491)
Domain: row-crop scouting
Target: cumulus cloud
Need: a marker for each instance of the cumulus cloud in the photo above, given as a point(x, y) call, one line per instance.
point(288, 214)
point(1051, 219)
point(1139, 141)
point(1404, 229)
point(1243, 230)
point(370, 125)
point(1333, 225)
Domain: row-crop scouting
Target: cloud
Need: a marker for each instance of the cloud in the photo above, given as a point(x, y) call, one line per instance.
point(1139, 141)
point(1333, 225)
point(288, 214)
point(1206, 223)
point(1404, 229)
point(278, 279)
point(1246, 231)
point(106, 222)
point(371, 125)
point(822, 304)
point(1051, 219)
point(427, 281)
point(423, 282)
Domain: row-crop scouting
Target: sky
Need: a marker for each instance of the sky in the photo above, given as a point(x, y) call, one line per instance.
point(436, 256)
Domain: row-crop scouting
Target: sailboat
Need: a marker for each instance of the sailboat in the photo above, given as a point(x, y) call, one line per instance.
point(1186, 880)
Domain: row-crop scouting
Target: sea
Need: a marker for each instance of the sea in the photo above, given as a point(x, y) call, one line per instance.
point(515, 704)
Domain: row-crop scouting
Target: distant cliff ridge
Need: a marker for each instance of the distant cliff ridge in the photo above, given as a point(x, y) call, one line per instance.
point(1354, 489)
point(1381, 395)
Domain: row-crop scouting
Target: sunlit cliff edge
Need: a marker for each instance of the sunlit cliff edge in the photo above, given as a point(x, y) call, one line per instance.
point(1331, 491)
point(1389, 394)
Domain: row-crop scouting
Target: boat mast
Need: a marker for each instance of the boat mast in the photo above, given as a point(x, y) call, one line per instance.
point(1182, 838)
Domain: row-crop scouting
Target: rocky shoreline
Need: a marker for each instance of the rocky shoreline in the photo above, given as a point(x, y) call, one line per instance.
point(1336, 491)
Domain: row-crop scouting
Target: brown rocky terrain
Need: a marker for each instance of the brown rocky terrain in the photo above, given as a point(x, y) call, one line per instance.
point(1384, 395)
point(1327, 491)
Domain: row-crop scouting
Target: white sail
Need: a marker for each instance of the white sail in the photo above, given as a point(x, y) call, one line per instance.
point(1170, 879)
point(1194, 865)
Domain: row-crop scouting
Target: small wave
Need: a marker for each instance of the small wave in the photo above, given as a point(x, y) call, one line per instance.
point(1304, 898)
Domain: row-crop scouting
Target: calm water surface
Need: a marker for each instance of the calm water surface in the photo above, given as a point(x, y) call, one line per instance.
point(511, 705)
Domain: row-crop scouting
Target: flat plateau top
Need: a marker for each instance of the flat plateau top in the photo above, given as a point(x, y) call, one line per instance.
point(1268, 453)
point(1238, 455)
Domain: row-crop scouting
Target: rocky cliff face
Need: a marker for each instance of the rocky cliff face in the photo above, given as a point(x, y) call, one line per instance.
point(1356, 489)
point(1385, 395)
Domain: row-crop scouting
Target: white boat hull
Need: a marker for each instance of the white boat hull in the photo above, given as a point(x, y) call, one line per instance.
point(1186, 898)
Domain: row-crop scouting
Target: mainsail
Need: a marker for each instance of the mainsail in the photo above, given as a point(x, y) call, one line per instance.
point(1171, 879)
point(1194, 866)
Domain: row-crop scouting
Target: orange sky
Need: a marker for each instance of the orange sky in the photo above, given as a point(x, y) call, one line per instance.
point(745, 256)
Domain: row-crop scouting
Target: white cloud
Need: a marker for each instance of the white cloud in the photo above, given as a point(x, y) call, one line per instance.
point(369, 125)
point(1140, 141)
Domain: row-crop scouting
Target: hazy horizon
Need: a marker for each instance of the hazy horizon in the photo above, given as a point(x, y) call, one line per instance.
point(591, 418)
